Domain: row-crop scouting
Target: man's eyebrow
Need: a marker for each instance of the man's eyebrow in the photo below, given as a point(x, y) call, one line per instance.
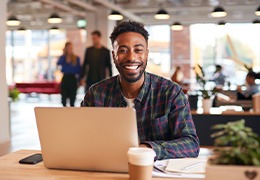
point(136, 45)
point(123, 46)
point(139, 45)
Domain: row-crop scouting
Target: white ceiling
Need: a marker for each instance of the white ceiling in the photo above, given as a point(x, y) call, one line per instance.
point(34, 13)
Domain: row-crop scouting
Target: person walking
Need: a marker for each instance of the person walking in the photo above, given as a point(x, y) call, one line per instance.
point(70, 67)
point(97, 62)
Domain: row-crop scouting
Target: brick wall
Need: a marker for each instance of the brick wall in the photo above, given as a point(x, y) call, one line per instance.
point(181, 50)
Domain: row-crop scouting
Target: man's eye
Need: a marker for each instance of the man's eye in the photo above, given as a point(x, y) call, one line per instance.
point(139, 50)
point(122, 51)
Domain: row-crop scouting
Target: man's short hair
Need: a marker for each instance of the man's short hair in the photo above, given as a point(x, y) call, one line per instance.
point(252, 74)
point(219, 67)
point(96, 32)
point(129, 26)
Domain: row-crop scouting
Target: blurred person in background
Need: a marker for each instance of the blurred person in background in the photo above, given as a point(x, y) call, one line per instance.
point(218, 76)
point(70, 67)
point(97, 62)
point(177, 76)
point(251, 87)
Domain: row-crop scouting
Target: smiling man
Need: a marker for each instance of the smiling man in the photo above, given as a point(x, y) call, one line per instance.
point(163, 114)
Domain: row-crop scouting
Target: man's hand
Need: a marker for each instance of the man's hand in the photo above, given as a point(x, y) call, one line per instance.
point(239, 89)
point(144, 145)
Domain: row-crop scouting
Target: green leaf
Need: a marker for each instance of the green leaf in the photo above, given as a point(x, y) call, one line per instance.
point(236, 144)
point(218, 126)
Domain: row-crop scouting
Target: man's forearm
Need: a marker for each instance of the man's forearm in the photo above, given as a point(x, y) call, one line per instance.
point(179, 148)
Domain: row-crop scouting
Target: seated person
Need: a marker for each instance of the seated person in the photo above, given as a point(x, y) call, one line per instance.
point(218, 76)
point(177, 76)
point(163, 113)
point(252, 87)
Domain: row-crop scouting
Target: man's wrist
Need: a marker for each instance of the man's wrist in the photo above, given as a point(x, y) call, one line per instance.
point(145, 145)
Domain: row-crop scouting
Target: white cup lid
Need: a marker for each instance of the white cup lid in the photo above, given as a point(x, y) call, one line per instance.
point(141, 156)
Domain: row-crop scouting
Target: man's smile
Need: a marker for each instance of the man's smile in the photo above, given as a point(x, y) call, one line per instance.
point(131, 67)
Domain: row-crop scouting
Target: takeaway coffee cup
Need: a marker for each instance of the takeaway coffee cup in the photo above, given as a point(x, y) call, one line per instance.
point(256, 102)
point(140, 163)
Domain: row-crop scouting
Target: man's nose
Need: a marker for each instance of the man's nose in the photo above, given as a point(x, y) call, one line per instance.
point(131, 56)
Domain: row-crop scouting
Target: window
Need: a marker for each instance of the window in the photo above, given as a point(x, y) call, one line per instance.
point(159, 61)
point(32, 55)
point(231, 46)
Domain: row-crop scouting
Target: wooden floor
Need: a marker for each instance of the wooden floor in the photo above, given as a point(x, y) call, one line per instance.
point(24, 134)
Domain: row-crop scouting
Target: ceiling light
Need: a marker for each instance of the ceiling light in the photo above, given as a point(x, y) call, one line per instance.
point(54, 30)
point(12, 21)
point(21, 29)
point(54, 18)
point(115, 15)
point(256, 21)
point(161, 14)
point(218, 12)
point(177, 26)
point(221, 23)
point(257, 12)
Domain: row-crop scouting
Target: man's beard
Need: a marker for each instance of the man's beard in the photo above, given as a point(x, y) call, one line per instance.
point(131, 79)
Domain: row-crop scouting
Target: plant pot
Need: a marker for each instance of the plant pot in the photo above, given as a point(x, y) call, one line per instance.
point(222, 172)
point(206, 105)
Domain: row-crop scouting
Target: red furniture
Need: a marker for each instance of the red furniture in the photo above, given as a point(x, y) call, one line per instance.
point(39, 87)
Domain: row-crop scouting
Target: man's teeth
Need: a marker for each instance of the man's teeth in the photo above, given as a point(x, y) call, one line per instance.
point(131, 67)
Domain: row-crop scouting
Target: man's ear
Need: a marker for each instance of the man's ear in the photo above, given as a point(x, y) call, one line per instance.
point(113, 55)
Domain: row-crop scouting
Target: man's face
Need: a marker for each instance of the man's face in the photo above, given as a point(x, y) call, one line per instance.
point(130, 55)
point(96, 40)
point(250, 80)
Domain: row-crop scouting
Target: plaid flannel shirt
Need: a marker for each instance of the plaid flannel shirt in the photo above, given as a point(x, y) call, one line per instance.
point(163, 114)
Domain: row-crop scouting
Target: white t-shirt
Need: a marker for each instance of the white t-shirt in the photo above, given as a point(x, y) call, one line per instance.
point(130, 102)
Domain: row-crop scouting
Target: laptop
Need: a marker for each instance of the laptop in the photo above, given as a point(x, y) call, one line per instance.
point(86, 138)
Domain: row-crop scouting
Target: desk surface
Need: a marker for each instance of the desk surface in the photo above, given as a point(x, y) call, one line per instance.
point(11, 169)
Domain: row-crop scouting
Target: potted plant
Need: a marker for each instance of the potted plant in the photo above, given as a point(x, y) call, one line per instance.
point(14, 93)
point(237, 152)
point(207, 93)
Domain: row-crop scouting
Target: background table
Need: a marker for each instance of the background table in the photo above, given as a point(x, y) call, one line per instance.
point(205, 121)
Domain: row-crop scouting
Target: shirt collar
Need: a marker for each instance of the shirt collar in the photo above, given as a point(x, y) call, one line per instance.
point(119, 98)
point(143, 92)
point(144, 88)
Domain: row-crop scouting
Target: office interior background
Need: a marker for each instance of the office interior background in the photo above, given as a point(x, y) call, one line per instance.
point(30, 49)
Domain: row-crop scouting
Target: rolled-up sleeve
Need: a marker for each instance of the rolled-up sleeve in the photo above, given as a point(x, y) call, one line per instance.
point(184, 141)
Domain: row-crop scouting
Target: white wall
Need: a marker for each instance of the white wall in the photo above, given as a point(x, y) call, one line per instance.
point(99, 21)
point(4, 108)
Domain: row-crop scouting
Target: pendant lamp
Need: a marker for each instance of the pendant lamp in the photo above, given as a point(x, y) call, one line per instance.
point(218, 12)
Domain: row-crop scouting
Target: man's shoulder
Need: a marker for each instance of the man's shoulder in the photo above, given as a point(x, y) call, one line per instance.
point(105, 83)
point(160, 81)
point(92, 48)
point(105, 49)
point(163, 86)
point(89, 48)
